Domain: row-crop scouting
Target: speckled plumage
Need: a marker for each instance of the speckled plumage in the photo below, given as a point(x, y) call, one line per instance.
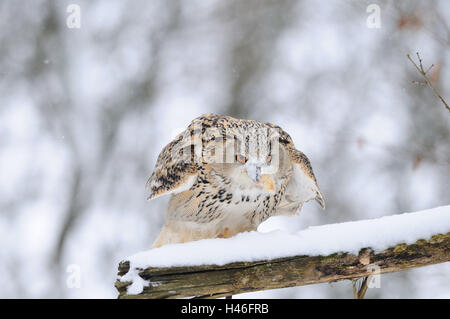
point(215, 195)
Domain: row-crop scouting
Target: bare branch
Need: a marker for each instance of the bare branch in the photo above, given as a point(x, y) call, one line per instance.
point(422, 72)
point(359, 293)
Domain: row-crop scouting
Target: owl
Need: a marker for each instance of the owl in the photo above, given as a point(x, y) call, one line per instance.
point(226, 175)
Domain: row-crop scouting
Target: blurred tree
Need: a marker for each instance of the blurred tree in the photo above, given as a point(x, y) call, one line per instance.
point(84, 113)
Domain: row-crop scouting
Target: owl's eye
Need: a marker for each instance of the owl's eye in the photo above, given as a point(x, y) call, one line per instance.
point(269, 159)
point(241, 159)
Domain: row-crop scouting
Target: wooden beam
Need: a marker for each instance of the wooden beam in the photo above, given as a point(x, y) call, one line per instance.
point(209, 281)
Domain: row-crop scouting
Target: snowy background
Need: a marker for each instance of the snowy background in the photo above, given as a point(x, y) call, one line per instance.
point(84, 113)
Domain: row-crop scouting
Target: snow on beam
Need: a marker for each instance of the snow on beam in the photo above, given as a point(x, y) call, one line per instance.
point(258, 261)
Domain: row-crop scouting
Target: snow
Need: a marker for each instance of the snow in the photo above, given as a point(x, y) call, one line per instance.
point(379, 234)
point(138, 282)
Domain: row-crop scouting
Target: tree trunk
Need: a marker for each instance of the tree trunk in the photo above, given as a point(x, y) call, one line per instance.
point(209, 281)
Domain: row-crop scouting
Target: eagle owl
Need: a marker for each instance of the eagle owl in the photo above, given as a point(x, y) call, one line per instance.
point(228, 175)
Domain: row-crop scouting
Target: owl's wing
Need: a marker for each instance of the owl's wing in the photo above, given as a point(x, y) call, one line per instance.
point(178, 163)
point(176, 169)
point(302, 185)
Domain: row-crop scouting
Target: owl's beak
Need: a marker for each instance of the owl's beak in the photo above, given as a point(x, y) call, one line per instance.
point(320, 200)
point(254, 172)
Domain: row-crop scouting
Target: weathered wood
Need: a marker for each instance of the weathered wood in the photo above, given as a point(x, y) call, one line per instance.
point(209, 281)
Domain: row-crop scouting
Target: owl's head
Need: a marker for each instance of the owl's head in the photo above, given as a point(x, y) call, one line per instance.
point(254, 159)
point(246, 154)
